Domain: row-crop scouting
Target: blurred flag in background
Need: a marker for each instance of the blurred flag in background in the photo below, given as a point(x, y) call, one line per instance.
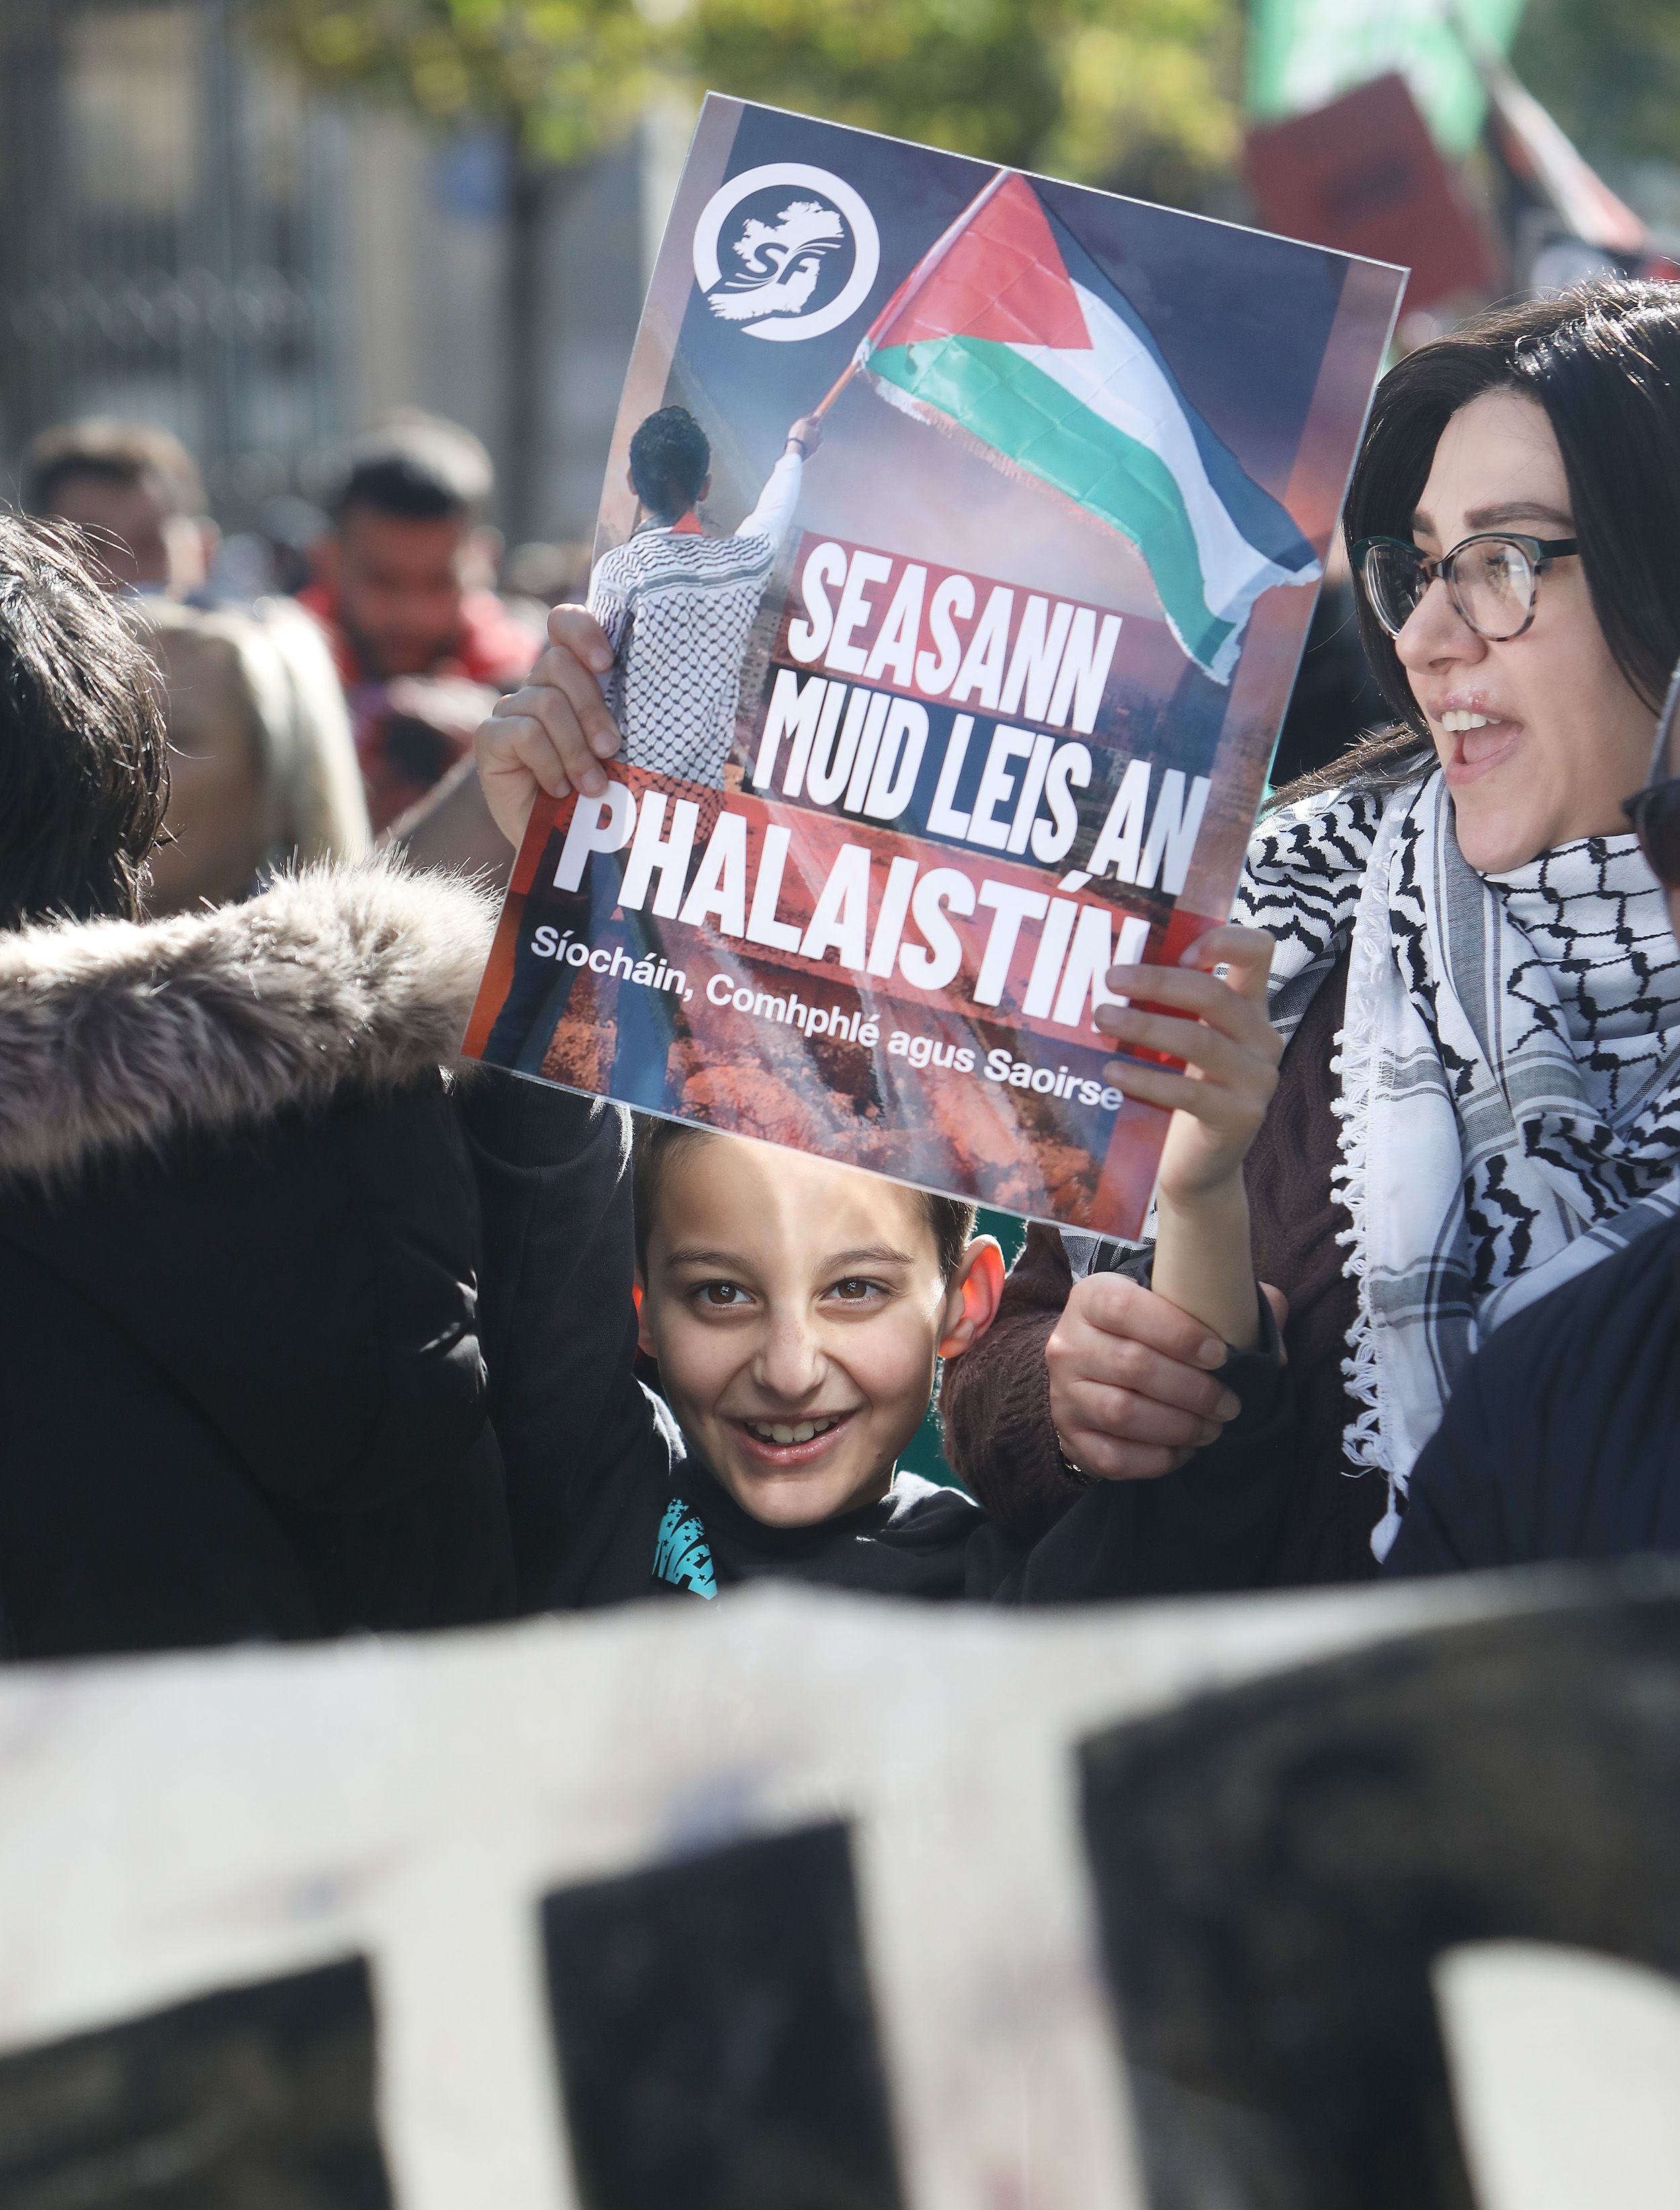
point(1302, 53)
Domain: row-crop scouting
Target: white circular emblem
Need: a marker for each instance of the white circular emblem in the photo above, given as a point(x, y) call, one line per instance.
point(785, 276)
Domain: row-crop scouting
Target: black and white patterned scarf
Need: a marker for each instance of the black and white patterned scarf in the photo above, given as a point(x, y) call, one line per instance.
point(1511, 1076)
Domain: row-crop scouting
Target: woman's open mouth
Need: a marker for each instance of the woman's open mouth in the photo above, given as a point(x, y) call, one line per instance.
point(1477, 743)
point(792, 1442)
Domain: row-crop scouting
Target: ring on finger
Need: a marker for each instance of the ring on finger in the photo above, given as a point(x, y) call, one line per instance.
point(1071, 1466)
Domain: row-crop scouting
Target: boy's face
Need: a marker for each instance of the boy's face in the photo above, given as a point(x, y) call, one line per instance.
point(796, 1309)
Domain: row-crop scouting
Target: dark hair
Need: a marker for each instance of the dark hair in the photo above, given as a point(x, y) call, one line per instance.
point(84, 761)
point(1604, 360)
point(418, 469)
point(950, 1220)
point(669, 459)
point(112, 451)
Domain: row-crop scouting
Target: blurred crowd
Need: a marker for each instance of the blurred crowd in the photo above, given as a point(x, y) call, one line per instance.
point(324, 671)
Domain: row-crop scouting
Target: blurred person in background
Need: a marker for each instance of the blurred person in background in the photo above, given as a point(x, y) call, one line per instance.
point(135, 492)
point(280, 1354)
point(402, 590)
point(264, 772)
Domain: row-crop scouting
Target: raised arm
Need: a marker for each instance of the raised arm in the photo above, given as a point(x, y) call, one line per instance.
point(773, 516)
point(1110, 1379)
point(1210, 1011)
point(557, 1320)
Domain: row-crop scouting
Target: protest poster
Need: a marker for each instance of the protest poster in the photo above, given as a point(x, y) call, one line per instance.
point(956, 613)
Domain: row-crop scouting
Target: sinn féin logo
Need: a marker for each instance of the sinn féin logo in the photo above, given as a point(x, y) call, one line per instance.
point(786, 251)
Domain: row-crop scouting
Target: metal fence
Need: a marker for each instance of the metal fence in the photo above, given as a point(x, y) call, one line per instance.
point(166, 240)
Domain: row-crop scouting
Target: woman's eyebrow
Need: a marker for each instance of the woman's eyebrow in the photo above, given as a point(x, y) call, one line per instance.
point(1518, 509)
point(1493, 517)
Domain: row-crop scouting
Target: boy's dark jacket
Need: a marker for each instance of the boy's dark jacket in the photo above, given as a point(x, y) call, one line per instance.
point(273, 1360)
point(1562, 1437)
point(660, 1524)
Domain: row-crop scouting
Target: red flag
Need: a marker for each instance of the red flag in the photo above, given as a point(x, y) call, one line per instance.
point(1363, 175)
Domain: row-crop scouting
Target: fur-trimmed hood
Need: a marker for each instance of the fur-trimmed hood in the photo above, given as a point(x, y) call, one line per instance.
point(116, 1037)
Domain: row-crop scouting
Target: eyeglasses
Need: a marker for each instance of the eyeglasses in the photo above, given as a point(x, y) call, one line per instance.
point(1491, 579)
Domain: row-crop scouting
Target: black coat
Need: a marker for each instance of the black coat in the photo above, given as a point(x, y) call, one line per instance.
point(1562, 1438)
point(274, 1358)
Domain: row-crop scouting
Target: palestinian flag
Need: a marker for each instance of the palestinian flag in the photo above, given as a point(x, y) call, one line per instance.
point(1007, 335)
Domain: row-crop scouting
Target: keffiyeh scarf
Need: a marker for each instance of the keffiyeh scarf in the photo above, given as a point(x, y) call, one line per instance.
point(1511, 1076)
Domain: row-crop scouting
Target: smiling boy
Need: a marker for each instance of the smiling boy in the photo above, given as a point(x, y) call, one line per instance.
point(797, 1311)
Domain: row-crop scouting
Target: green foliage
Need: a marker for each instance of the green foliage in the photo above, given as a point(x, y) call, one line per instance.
point(1149, 99)
point(1134, 92)
point(564, 76)
point(1609, 72)
point(972, 75)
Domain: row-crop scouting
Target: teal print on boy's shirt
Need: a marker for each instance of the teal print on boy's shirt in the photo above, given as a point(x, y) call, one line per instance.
point(681, 1556)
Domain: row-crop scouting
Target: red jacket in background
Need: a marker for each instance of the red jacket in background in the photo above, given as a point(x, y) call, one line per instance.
point(402, 753)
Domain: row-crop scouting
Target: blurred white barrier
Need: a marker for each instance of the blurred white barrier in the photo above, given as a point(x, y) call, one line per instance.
point(1566, 2073)
point(791, 1883)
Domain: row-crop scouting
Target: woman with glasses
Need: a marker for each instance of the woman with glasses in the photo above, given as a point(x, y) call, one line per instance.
point(1559, 1438)
point(1479, 1095)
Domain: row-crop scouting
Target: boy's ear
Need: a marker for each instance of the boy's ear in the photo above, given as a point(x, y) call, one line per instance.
point(644, 1339)
point(972, 1304)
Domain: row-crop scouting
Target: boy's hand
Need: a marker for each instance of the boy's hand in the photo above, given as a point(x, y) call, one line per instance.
point(552, 733)
point(806, 435)
point(1231, 1050)
point(1134, 1386)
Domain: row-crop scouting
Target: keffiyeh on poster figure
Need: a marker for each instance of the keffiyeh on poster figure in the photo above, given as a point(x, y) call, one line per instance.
point(933, 710)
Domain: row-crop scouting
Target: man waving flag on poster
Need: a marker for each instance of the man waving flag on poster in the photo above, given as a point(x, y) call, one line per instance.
point(1007, 336)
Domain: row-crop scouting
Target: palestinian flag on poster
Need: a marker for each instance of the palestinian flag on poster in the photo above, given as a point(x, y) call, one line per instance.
point(1007, 335)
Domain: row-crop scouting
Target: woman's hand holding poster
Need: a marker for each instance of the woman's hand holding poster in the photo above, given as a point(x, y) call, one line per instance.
point(961, 536)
